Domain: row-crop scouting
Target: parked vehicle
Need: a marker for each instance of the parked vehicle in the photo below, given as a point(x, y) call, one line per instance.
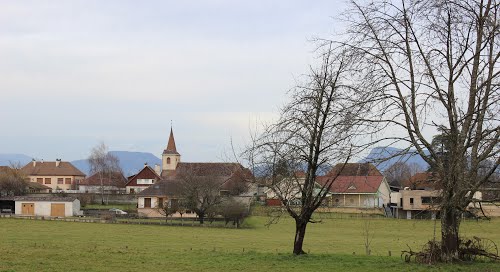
point(117, 211)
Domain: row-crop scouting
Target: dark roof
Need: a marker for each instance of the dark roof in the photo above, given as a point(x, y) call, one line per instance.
point(45, 198)
point(171, 148)
point(423, 181)
point(50, 169)
point(146, 173)
point(38, 186)
point(116, 179)
point(162, 188)
point(355, 169)
point(352, 184)
point(220, 169)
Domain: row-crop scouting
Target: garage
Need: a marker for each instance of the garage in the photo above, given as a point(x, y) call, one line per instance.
point(53, 206)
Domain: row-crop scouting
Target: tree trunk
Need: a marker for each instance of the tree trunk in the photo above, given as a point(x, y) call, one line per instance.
point(450, 222)
point(300, 232)
point(202, 218)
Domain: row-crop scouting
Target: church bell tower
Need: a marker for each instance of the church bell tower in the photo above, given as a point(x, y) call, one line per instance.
point(170, 157)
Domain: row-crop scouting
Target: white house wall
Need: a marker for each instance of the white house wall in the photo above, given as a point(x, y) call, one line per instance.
point(43, 208)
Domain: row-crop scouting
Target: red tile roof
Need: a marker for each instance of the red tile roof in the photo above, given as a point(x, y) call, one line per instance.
point(355, 169)
point(114, 179)
point(352, 184)
point(50, 169)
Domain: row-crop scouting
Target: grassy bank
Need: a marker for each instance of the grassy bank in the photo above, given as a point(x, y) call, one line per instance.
point(27, 245)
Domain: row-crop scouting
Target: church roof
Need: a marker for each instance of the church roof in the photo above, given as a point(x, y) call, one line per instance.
point(171, 149)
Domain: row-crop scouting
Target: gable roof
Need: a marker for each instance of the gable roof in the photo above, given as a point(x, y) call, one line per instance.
point(146, 173)
point(50, 169)
point(352, 184)
point(115, 179)
point(354, 169)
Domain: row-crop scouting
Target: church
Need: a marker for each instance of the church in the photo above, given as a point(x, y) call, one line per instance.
point(233, 179)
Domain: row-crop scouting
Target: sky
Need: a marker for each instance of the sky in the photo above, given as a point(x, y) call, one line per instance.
point(77, 73)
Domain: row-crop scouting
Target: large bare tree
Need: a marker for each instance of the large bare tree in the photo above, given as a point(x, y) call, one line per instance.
point(315, 131)
point(103, 164)
point(434, 65)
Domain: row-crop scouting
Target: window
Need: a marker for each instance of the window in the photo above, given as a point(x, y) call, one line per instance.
point(60, 181)
point(411, 200)
point(401, 201)
point(147, 202)
point(132, 191)
point(160, 202)
point(48, 181)
point(39, 180)
point(168, 160)
point(68, 180)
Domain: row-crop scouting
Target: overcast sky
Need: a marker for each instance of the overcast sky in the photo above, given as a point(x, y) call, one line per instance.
point(75, 73)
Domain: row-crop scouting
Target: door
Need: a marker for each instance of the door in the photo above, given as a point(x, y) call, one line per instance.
point(57, 209)
point(28, 209)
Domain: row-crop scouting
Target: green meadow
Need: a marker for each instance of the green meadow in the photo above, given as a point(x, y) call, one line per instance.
point(333, 245)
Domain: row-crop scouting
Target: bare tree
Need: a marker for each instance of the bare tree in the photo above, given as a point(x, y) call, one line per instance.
point(315, 131)
point(397, 173)
point(434, 66)
point(104, 164)
point(168, 208)
point(233, 210)
point(200, 194)
point(13, 181)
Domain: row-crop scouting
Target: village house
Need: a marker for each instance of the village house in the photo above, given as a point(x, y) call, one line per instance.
point(142, 180)
point(232, 179)
point(356, 185)
point(420, 198)
point(110, 183)
point(57, 175)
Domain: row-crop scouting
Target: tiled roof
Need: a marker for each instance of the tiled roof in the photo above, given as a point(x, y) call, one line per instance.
point(422, 181)
point(171, 148)
point(355, 169)
point(113, 179)
point(50, 169)
point(162, 188)
point(146, 173)
point(38, 186)
point(45, 198)
point(352, 184)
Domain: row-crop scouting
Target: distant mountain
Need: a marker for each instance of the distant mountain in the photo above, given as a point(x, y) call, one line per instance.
point(384, 157)
point(9, 159)
point(130, 162)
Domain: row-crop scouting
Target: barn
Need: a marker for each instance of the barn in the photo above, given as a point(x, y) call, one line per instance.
point(47, 206)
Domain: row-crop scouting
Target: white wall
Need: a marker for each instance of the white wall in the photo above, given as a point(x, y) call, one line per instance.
point(43, 208)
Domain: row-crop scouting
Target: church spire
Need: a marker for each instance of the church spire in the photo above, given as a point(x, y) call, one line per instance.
point(171, 148)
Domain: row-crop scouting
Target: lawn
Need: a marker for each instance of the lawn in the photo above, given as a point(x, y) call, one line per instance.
point(334, 245)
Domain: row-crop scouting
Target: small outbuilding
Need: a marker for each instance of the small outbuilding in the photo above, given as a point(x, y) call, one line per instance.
point(47, 206)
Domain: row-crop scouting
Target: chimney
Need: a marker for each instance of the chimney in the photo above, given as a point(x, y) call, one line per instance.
point(157, 169)
point(145, 164)
point(58, 161)
point(34, 162)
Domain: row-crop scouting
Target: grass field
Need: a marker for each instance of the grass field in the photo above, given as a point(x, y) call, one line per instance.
point(33, 245)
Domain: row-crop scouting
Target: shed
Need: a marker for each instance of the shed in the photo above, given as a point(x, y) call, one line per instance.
point(47, 206)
